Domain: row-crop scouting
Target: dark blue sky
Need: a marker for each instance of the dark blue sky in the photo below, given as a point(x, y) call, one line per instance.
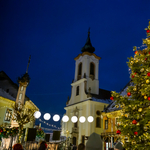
point(53, 33)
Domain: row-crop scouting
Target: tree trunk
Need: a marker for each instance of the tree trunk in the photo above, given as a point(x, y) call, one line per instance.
point(20, 133)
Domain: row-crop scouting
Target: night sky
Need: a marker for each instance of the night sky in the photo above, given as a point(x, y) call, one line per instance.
point(53, 33)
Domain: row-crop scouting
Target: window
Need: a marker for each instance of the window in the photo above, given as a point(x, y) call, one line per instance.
point(98, 112)
point(92, 68)
point(106, 124)
point(77, 91)
point(8, 115)
point(21, 88)
point(20, 96)
point(80, 69)
point(117, 121)
point(98, 122)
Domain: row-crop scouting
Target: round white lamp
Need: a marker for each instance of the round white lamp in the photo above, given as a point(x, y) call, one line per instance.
point(74, 119)
point(90, 119)
point(37, 114)
point(56, 117)
point(47, 116)
point(82, 119)
point(65, 118)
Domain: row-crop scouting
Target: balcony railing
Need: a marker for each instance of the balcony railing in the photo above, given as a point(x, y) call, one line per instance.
point(108, 134)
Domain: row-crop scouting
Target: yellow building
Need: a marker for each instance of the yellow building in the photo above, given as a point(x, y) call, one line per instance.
point(87, 99)
point(9, 94)
point(110, 117)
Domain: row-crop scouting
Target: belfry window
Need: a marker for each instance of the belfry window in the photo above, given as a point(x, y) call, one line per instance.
point(98, 122)
point(79, 71)
point(77, 91)
point(92, 70)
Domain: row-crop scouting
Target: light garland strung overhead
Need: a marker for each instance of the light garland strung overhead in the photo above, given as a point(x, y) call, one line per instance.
point(54, 126)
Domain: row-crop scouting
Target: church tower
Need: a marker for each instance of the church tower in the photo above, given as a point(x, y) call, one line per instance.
point(86, 73)
point(23, 83)
point(87, 99)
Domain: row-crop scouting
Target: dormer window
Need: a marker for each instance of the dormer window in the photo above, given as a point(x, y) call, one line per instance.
point(79, 71)
point(92, 70)
point(77, 90)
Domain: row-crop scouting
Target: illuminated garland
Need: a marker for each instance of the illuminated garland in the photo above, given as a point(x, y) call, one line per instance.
point(7, 132)
point(40, 133)
point(49, 124)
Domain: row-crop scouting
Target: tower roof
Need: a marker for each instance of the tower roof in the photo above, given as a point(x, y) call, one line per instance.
point(88, 46)
point(25, 77)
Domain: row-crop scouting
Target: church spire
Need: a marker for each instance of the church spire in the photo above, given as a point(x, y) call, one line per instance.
point(25, 78)
point(88, 46)
point(28, 63)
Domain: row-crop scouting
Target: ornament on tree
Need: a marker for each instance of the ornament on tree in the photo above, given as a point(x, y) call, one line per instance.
point(138, 124)
point(148, 98)
point(148, 31)
point(147, 81)
point(128, 94)
point(140, 110)
point(133, 142)
point(145, 58)
point(126, 115)
point(145, 97)
point(112, 98)
point(118, 132)
point(134, 89)
point(131, 62)
point(132, 76)
point(148, 74)
point(136, 52)
point(145, 128)
point(142, 69)
point(134, 122)
point(135, 133)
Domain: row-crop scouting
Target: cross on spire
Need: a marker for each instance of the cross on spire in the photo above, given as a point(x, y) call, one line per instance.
point(89, 32)
point(28, 63)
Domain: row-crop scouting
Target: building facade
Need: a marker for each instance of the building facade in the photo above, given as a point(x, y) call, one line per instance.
point(110, 117)
point(9, 92)
point(86, 97)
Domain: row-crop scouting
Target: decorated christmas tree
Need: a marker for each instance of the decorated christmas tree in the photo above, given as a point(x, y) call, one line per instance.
point(134, 121)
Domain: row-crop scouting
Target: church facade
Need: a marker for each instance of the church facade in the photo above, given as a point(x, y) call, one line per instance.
point(87, 99)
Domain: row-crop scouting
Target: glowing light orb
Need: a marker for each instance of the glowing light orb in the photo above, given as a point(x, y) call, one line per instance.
point(65, 118)
point(56, 117)
point(37, 114)
point(82, 119)
point(90, 119)
point(74, 119)
point(47, 116)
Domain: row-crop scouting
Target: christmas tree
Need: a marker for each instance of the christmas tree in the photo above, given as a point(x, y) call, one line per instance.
point(134, 120)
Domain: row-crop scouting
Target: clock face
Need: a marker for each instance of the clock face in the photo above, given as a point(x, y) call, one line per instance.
point(21, 88)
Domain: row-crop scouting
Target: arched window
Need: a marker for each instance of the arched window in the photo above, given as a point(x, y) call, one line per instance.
point(98, 122)
point(79, 71)
point(92, 70)
point(77, 91)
